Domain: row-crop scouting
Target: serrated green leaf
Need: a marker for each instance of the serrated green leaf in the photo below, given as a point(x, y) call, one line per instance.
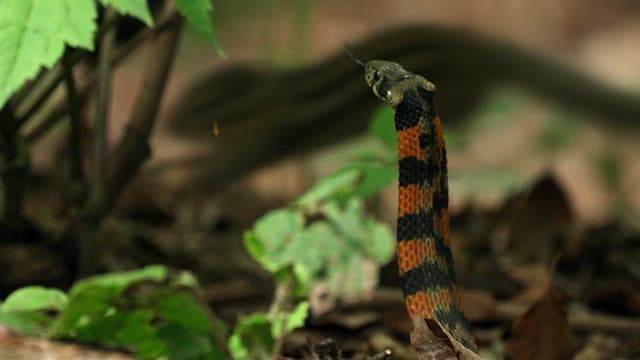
point(271, 236)
point(35, 298)
point(382, 126)
point(33, 34)
point(198, 13)
point(135, 8)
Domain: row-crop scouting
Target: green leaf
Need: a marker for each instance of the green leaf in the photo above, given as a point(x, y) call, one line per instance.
point(383, 127)
point(341, 184)
point(285, 322)
point(24, 311)
point(33, 34)
point(374, 177)
point(311, 250)
point(119, 281)
point(184, 310)
point(135, 8)
point(33, 323)
point(198, 13)
point(144, 311)
point(271, 237)
point(382, 243)
point(34, 298)
point(559, 131)
point(182, 343)
point(135, 332)
point(252, 338)
point(92, 299)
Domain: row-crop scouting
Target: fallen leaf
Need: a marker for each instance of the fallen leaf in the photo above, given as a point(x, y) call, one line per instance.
point(432, 342)
point(542, 332)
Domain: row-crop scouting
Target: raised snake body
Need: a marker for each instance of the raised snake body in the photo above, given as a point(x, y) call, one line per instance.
point(423, 249)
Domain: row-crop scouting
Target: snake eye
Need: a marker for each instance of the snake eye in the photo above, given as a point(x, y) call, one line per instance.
point(376, 75)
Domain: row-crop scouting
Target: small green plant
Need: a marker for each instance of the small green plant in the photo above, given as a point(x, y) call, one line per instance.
point(324, 237)
point(149, 312)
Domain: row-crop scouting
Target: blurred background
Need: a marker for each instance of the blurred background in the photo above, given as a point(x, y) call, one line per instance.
point(513, 134)
point(540, 103)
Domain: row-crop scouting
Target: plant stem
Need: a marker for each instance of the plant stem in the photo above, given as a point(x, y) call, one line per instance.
point(129, 153)
point(14, 165)
point(280, 304)
point(77, 184)
point(102, 107)
point(133, 149)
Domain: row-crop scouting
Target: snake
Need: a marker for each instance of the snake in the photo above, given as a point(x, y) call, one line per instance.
point(424, 256)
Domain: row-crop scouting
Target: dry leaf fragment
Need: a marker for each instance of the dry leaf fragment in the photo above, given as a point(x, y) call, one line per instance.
point(542, 332)
point(432, 342)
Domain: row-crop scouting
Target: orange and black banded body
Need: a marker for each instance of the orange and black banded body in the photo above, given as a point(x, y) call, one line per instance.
point(424, 254)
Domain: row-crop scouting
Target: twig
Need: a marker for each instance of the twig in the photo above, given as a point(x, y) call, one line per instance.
point(51, 83)
point(133, 149)
point(13, 168)
point(281, 301)
point(28, 88)
point(75, 147)
point(102, 107)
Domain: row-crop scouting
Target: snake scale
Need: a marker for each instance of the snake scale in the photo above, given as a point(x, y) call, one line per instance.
point(424, 255)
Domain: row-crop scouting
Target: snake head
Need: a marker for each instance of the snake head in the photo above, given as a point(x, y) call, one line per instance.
point(389, 81)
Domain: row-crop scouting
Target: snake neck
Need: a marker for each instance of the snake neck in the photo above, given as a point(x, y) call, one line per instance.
point(424, 255)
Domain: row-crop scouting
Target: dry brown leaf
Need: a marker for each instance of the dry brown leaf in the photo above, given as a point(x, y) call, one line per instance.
point(534, 222)
point(542, 332)
point(432, 342)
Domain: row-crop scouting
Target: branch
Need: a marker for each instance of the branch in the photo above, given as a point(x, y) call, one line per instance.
point(134, 149)
point(75, 147)
point(102, 107)
point(14, 165)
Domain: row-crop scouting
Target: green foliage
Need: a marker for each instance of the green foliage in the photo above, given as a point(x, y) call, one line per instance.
point(198, 12)
point(33, 34)
point(382, 126)
point(35, 298)
point(136, 311)
point(29, 310)
point(146, 311)
point(254, 336)
point(559, 131)
point(135, 8)
point(323, 236)
point(362, 179)
point(338, 241)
